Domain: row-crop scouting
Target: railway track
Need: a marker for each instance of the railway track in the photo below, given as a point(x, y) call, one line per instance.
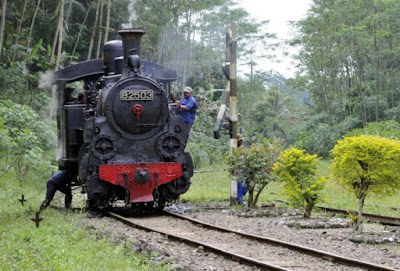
point(263, 253)
point(386, 220)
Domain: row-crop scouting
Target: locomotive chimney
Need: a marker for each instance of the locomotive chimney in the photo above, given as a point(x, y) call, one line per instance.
point(130, 40)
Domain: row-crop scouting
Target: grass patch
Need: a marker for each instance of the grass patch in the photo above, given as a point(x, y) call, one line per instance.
point(215, 186)
point(61, 242)
point(58, 244)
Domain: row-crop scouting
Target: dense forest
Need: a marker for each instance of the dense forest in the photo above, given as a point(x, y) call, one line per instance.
point(347, 77)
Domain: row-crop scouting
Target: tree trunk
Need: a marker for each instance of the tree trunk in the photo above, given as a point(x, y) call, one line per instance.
point(55, 38)
point(68, 15)
point(81, 29)
point(100, 30)
point(258, 194)
point(3, 21)
point(93, 30)
point(358, 225)
point(60, 35)
point(107, 21)
point(30, 32)
point(250, 200)
point(53, 47)
point(57, 65)
point(308, 209)
point(19, 29)
point(187, 47)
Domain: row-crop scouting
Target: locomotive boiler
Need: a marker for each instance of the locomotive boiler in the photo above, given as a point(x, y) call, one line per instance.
point(118, 128)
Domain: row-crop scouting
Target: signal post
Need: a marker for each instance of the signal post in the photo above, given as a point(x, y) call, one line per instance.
point(231, 45)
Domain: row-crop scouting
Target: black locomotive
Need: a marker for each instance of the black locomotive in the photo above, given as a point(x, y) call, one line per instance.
point(121, 134)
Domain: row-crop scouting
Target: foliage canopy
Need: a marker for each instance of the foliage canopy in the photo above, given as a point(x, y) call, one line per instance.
point(367, 163)
point(254, 165)
point(297, 170)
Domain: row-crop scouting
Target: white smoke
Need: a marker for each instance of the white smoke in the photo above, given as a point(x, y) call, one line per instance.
point(132, 15)
point(46, 80)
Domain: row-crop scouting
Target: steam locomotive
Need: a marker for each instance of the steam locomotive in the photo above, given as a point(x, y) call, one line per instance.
point(119, 130)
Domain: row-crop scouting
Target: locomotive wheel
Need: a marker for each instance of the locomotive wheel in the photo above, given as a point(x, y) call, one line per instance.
point(178, 187)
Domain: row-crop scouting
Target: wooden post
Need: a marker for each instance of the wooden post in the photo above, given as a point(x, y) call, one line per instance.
point(233, 101)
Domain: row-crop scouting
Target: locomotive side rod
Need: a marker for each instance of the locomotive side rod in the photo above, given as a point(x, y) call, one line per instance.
point(230, 255)
point(299, 248)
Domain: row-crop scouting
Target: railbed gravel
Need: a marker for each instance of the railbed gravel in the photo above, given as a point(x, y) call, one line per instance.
point(275, 225)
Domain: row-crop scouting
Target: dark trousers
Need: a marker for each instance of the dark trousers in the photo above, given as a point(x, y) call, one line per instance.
point(241, 191)
point(60, 181)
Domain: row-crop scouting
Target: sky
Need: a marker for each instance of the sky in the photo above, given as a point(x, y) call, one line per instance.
point(279, 13)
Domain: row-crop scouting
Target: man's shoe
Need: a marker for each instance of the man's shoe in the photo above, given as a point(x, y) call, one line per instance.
point(68, 200)
point(44, 204)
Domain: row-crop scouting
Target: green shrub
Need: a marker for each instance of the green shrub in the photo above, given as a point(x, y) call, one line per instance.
point(255, 165)
point(297, 170)
point(23, 138)
point(367, 163)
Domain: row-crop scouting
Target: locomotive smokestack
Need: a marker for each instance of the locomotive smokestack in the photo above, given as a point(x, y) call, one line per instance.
point(131, 40)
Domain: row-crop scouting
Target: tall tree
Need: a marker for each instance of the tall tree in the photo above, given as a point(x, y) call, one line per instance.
point(81, 29)
point(31, 31)
point(21, 20)
point(99, 40)
point(107, 29)
point(93, 35)
point(349, 60)
point(58, 58)
point(60, 34)
point(3, 19)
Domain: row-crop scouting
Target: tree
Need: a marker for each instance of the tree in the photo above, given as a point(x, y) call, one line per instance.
point(19, 28)
point(297, 170)
point(3, 20)
point(92, 37)
point(107, 29)
point(99, 40)
point(367, 164)
point(31, 31)
point(23, 138)
point(255, 166)
point(349, 61)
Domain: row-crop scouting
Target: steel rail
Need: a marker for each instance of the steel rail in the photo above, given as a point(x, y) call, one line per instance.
point(387, 220)
point(299, 248)
point(233, 256)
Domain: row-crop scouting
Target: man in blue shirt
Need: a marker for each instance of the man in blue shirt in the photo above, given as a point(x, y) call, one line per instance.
point(188, 106)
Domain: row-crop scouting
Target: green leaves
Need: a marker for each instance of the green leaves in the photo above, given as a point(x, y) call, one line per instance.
point(23, 139)
point(349, 54)
point(297, 170)
point(254, 165)
point(35, 49)
point(367, 163)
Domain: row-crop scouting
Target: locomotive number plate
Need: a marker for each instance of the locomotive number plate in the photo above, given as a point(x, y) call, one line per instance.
point(135, 95)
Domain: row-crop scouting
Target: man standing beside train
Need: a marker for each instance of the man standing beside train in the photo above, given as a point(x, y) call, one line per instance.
point(187, 106)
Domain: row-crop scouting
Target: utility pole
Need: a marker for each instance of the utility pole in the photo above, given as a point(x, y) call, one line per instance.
point(231, 44)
